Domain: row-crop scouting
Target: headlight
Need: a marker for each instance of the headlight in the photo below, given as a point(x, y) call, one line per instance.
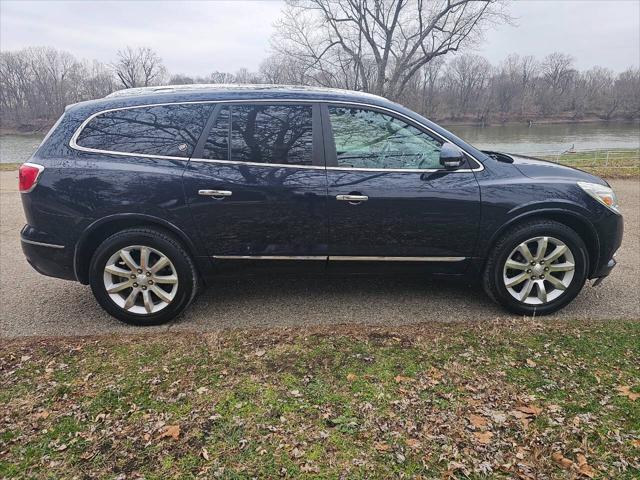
point(604, 195)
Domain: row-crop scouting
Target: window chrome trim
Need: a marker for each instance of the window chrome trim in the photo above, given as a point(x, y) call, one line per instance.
point(74, 145)
point(340, 258)
point(41, 244)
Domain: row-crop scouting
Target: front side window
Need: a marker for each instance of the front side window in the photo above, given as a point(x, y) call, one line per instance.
point(167, 130)
point(370, 139)
point(280, 134)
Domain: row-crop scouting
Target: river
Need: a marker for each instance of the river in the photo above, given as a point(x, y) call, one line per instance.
point(551, 138)
point(543, 138)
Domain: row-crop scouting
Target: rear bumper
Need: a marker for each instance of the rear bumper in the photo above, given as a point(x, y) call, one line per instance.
point(45, 255)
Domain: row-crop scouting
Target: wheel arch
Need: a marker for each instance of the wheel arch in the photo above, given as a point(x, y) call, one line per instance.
point(101, 229)
point(575, 221)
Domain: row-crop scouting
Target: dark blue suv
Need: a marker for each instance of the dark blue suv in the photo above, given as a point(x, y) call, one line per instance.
point(148, 193)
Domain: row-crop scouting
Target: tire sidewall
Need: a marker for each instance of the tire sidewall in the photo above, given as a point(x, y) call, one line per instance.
point(579, 251)
point(179, 258)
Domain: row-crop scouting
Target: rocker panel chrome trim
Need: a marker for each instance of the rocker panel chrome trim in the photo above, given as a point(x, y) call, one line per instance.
point(343, 258)
point(394, 259)
point(270, 257)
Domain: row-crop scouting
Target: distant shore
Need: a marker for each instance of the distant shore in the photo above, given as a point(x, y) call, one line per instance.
point(41, 128)
point(539, 121)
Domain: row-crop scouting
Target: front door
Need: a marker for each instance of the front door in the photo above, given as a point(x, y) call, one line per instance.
point(256, 185)
point(389, 200)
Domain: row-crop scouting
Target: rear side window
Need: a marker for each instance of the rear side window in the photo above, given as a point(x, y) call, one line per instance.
point(280, 134)
point(167, 130)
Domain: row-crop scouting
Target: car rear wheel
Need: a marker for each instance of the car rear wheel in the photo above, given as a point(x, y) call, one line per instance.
point(143, 276)
point(536, 268)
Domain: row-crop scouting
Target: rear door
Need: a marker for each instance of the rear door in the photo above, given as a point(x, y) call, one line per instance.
point(256, 185)
point(389, 200)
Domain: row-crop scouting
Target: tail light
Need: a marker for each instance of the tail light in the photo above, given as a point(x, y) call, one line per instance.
point(28, 175)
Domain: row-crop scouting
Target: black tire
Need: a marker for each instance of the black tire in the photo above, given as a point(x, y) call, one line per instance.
point(161, 241)
point(493, 281)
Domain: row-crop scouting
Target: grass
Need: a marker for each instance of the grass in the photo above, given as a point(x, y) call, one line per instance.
point(504, 400)
point(621, 163)
point(8, 167)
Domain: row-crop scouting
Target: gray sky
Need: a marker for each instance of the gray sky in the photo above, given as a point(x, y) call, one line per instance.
point(199, 37)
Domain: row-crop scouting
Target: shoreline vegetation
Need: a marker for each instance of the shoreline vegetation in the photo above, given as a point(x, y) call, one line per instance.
point(606, 163)
point(525, 399)
point(41, 128)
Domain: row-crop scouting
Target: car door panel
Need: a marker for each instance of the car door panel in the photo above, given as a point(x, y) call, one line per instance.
point(252, 214)
point(424, 216)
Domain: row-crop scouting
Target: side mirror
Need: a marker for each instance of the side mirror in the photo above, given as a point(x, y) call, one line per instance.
point(451, 157)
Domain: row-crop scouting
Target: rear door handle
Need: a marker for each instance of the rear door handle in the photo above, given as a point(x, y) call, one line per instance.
point(218, 194)
point(353, 199)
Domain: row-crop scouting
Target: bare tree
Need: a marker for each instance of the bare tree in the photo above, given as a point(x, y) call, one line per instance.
point(378, 45)
point(467, 77)
point(139, 67)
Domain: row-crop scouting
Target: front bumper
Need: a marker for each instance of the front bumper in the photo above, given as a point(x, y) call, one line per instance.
point(610, 233)
point(605, 271)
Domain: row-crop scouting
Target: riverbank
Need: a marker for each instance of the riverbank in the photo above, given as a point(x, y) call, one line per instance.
point(535, 121)
point(621, 163)
point(43, 126)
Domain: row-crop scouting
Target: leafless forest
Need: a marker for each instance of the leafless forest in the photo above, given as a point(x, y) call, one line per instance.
point(416, 52)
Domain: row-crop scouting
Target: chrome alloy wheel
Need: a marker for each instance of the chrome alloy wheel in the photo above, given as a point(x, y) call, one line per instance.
point(539, 270)
point(140, 279)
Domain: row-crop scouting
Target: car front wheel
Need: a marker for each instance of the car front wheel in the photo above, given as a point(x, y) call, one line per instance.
point(536, 268)
point(143, 276)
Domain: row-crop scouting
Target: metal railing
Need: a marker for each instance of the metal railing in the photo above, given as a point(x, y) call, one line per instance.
point(620, 158)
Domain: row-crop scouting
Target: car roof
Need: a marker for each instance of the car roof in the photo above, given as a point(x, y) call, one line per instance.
point(221, 92)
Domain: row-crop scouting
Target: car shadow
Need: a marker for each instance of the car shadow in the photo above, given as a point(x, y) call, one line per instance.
point(313, 300)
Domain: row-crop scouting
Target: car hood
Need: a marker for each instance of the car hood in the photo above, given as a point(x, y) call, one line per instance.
point(536, 168)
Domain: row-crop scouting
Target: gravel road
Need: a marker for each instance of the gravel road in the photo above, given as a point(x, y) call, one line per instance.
point(34, 305)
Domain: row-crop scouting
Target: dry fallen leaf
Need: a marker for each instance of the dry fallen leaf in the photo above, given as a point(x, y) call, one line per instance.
point(585, 469)
point(172, 431)
point(561, 460)
point(635, 443)
point(42, 415)
point(401, 378)
point(530, 410)
point(483, 437)
point(382, 447)
point(351, 377)
point(477, 420)
point(626, 392)
point(414, 443)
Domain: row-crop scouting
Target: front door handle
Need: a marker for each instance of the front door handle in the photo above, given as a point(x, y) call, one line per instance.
point(217, 194)
point(352, 199)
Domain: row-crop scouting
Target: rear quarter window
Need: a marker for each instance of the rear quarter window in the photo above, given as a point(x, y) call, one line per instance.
point(163, 130)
